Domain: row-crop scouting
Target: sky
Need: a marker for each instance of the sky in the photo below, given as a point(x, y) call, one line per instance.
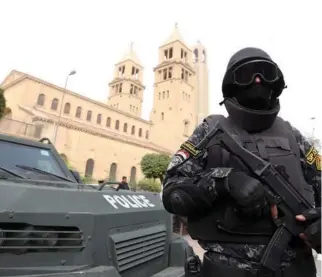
point(49, 38)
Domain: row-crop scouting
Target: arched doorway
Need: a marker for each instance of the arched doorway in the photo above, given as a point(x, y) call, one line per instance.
point(133, 177)
point(89, 168)
point(113, 170)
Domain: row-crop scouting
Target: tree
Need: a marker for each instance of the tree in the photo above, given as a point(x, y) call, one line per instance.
point(155, 165)
point(2, 104)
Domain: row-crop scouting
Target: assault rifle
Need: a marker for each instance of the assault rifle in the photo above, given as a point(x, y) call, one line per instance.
point(291, 202)
point(192, 267)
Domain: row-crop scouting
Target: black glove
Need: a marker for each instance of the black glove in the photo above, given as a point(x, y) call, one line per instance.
point(252, 198)
point(313, 232)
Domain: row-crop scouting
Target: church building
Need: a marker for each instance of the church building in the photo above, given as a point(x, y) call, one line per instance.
point(108, 140)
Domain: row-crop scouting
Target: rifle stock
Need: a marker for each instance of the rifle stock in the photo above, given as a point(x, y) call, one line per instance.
point(291, 201)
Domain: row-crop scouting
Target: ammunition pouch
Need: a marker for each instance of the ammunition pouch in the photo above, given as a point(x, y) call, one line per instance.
point(301, 268)
point(224, 225)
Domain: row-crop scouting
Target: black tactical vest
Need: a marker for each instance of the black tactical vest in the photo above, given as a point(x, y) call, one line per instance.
point(278, 146)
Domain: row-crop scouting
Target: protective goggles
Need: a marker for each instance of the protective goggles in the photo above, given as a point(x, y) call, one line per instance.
point(245, 73)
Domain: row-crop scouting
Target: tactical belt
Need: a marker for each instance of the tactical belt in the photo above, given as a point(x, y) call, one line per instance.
point(304, 268)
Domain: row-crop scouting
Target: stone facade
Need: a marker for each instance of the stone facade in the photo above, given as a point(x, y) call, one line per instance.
point(109, 139)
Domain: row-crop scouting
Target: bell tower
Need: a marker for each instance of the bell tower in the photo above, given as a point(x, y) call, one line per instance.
point(174, 106)
point(126, 88)
point(201, 68)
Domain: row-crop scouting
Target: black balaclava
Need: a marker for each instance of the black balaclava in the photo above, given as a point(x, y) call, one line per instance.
point(253, 107)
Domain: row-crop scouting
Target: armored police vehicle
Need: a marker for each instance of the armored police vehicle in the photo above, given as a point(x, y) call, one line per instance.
point(51, 224)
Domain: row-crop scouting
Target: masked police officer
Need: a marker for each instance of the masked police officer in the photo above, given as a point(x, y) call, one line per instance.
point(232, 217)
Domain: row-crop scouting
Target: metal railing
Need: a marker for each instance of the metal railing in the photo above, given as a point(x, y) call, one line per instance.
point(19, 128)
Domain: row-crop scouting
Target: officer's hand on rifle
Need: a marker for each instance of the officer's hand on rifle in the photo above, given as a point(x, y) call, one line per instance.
point(253, 199)
point(274, 211)
point(312, 235)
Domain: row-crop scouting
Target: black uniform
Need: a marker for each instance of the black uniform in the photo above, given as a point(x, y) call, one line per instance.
point(191, 190)
point(123, 185)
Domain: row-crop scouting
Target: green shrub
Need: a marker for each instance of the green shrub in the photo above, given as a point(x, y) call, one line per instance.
point(149, 185)
point(88, 180)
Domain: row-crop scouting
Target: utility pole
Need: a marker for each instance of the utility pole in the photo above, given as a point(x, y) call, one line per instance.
point(73, 72)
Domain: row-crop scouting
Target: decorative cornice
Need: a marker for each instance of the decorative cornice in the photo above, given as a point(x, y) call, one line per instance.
point(126, 94)
point(168, 63)
point(171, 80)
point(73, 124)
point(106, 134)
point(134, 81)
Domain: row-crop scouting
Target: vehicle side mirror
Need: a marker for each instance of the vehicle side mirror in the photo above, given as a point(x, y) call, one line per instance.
point(77, 176)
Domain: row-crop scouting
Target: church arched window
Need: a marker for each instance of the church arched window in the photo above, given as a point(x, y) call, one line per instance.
point(54, 104)
point(117, 125)
point(125, 127)
point(99, 119)
point(195, 55)
point(41, 99)
point(67, 108)
point(89, 116)
point(204, 56)
point(108, 122)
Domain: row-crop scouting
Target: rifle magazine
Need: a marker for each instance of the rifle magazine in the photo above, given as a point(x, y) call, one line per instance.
point(272, 256)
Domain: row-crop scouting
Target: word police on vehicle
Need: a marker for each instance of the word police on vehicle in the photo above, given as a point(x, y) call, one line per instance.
point(128, 201)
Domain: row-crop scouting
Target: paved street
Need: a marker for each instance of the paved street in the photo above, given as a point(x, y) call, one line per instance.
point(199, 251)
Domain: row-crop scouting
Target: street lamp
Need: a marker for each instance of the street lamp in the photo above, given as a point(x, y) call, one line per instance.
point(313, 128)
point(73, 72)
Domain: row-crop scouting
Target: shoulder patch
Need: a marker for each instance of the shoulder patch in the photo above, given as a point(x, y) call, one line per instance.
point(318, 163)
point(311, 155)
point(179, 158)
point(190, 148)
